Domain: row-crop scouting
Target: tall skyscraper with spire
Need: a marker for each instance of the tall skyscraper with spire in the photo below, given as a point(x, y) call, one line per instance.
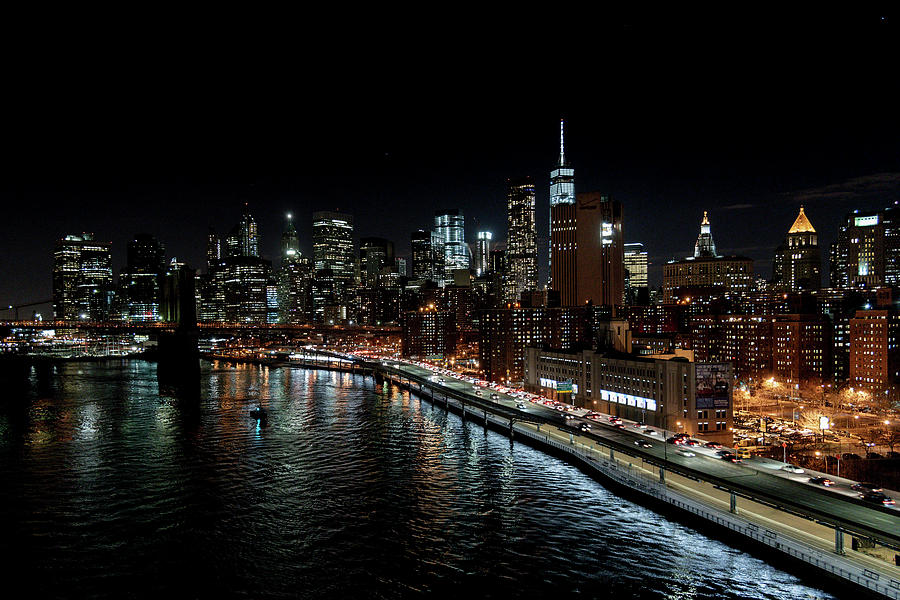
point(562, 223)
point(290, 241)
point(294, 279)
point(705, 246)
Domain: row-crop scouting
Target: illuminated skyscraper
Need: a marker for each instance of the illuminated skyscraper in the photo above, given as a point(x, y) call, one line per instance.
point(214, 253)
point(249, 235)
point(290, 241)
point(374, 255)
point(294, 279)
point(635, 270)
point(798, 262)
point(427, 255)
point(483, 253)
point(521, 239)
point(450, 226)
point(867, 251)
point(562, 223)
point(82, 278)
point(333, 248)
point(705, 247)
point(562, 191)
point(141, 279)
point(706, 269)
point(245, 282)
point(562, 178)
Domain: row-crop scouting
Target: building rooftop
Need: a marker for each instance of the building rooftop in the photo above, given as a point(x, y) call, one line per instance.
point(802, 224)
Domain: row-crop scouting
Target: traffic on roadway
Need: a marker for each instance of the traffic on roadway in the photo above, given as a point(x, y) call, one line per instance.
point(856, 506)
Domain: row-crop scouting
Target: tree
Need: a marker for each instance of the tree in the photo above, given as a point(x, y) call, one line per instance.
point(890, 437)
point(870, 437)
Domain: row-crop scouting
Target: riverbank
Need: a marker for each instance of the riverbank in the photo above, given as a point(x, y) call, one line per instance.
point(817, 545)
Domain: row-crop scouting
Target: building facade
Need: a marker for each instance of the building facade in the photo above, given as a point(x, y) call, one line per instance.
point(600, 250)
point(427, 256)
point(874, 353)
point(521, 239)
point(734, 274)
point(563, 270)
point(333, 249)
point(636, 265)
point(483, 253)
point(430, 334)
point(505, 333)
point(449, 225)
point(140, 280)
point(866, 254)
point(670, 392)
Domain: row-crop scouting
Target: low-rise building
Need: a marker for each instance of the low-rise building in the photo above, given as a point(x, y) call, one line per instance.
point(671, 392)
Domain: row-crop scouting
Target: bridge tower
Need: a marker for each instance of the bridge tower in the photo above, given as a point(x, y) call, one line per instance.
point(178, 368)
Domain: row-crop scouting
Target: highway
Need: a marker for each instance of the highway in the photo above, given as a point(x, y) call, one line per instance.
point(757, 479)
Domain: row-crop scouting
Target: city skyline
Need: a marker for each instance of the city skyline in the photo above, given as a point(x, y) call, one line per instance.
point(676, 135)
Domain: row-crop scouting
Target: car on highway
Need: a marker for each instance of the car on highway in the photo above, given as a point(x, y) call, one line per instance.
point(821, 481)
point(877, 498)
point(729, 456)
point(864, 486)
point(693, 443)
point(614, 419)
point(569, 417)
point(585, 427)
point(478, 392)
point(640, 425)
point(686, 452)
point(495, 397)
point(619, 425)
point(675, 440)
point(520, 405)
point(440, 380)
point(792, 469)
point(643, 444)
point(713, 445)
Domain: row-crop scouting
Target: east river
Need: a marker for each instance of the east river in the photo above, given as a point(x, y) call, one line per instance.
point(110, 490)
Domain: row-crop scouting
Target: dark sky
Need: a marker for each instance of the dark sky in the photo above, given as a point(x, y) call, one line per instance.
point(170, 128)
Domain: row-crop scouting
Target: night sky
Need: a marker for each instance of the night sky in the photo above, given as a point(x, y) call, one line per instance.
point(672, 114)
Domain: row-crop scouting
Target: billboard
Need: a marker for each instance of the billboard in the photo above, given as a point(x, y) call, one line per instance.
point(713, 385)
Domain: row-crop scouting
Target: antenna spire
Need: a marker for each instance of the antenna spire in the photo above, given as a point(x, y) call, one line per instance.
point(562, 144)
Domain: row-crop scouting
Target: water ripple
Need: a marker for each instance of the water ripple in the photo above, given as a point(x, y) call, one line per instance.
point(113, 491)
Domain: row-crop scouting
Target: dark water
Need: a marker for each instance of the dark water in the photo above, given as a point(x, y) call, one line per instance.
point(111, 491)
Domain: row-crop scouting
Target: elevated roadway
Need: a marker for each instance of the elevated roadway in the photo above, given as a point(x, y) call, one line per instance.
point(755, 479)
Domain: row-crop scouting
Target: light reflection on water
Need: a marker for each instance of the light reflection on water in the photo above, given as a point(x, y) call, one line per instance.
point(348, 491)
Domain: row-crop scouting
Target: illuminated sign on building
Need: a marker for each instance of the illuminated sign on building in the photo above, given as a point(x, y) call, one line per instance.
point(628, 400)
point(606, 233)
point(866, 221)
